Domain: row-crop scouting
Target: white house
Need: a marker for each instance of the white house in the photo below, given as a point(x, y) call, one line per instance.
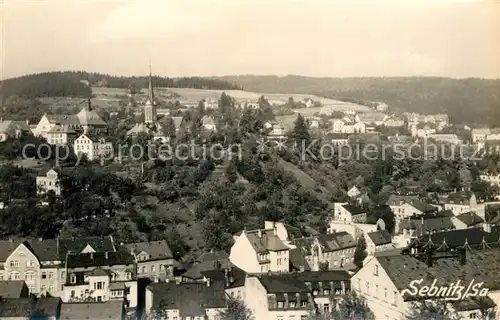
point(444, 137)
point(354, 192)
point(349, 213)
point(93, 147)
point(491, 178)
point(208, 123)
point(48, 180)
point(480, 134)
point(461, 202)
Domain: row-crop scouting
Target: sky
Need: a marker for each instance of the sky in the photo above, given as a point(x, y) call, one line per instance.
point(319, 38)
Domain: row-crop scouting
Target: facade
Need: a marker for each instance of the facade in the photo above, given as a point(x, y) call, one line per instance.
point(48, 180)
point(339, 139)
point(372, 118)
point(13, 129)
point(60, 135)
point(154, 259)
point(422, 130)
point(378, 241)
point(479, 134)
point(354, 192)
point(344, 126)
point(394, 122)
point(491, 179)
point(349, 213)
point(444, 137)
point(467, 220)
point(335, 250)
point(92, 146)
point(407, 206)
point(208, 123)
point(461, 202)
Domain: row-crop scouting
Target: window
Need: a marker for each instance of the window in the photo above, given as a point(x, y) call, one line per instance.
point(144, 269)
point(473, 315)
point(14, 263)
point(376, 271)
point(99, 298)
point(395, 297)
point(51, 288)
point(279, 262)
point(129, 275)
point(1, 276)
point(73, 278)
point(98, 285)
point(14, 275)
point(326, 308)
point(367, 287)
point(72, 293)
point(315, 292)
point(281, 304)
point(44, 275)
point(385, 294)
point(29, 263)
point(162, 267)
point(29, 276)
point(153, 269)
point(280, 318)
point(326, 292)
point(51, 275)
point(44, 288)
point(293, 304)
point(376, 290)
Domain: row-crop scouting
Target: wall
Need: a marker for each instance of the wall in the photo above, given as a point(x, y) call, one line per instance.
point(243, 255)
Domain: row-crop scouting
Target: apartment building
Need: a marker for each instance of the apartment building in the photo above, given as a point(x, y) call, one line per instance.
point(334, 250)
point(378, 241)
point(349, 213)
point(154, 259)
point(60, 135)
point(407, 206)
point(48, 180)
point(444, 137)
point(42, 264)
point(461, 202)
point(479, 135)
point(467, 220)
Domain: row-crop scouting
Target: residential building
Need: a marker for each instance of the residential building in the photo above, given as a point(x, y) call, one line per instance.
point(154, 259)
point(112, 310)
point(467, 220)
point(444, 137)
point(383, 280)
point(334, 250)
point(81, 122)
point(461, 202)
point(101, 276)
point(49, 180)
point(349, 213)
point(491, 178)
point(92, 146)
point(422, 130)
point(208, 123)
point(353, 192)
point(13, 129)
point(347, 126)
point(192, 300)
point(42, 263)
point(339, 139)
point(60, 135)
point(356, 230)
point(479, 134)
point(416, 226)
point(377, 241)
point(394, 122)
point(372, 118)
point(29, 308)
point(407, 206)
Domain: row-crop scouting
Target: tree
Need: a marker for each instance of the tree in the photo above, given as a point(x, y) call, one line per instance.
point(236, 310)
point(300, 133)
point(168, 127)
point(430, 310)
point(352, 307)
point(360, 252)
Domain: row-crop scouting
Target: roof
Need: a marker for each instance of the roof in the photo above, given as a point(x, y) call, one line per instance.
point(89, 117)
point(474, 237)
point(267, 241)
point(481, 131)
point(64, 128)
point(191, 299)
point(93, 310)
point(213, 256)
point(47, 307)
point(354, 210)
point(95, 259)
point(470, 218)
point(398, 200)
point(426, 126)
point(138, 128)
point(208, 121)
point(63, 119)
point(481, 266)
point(329, 242)
point(177, 122)
point(424, 225)
point(12, 289)
point(195, 272)
point(156, 250)
point(297, 260)
point(9, 125)
point(303, 282)
point(16, 308)
point(460, 197)
point(371, 116)
point(380, 237)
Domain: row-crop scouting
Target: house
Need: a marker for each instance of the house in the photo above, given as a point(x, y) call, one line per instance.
point(80, 122)
point(381, 107)
point(13, 129)
point(444, 137)
point(207, 262)
point(92, 146)
point(29, 308)
point(208, 123)
point(349, 213)
point(372, 118)
point(479, 134)
point(335, 250)
point(347, 126)
point(186, 300)
point(380, 240)
point(294, 295)
point(112, 310)
point(461, 202)
point(41, 263)
point(421, 130)
point(339, 139)
point(416, 226)
point(407, 206)
point(313, 121)
point(276, 131)
point(467, 220)
point(48, 180)
point(394, 122)
point(154, 259)
point(384, 280)
point(60, 135)
point(260, 251)
point(100, 276)
point(308, 102)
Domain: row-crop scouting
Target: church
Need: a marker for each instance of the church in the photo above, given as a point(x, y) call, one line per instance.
point(151, 125)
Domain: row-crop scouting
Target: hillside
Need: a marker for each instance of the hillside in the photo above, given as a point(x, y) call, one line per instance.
point(465, 100)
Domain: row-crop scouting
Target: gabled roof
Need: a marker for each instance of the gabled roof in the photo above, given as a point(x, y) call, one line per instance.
point(398, 200)
point(213, 256)
point(89, 117)
point(460, 197)
point(112, 310)
point(380, 237)
point(470, 218)
point(208, 121)
point(481, 131)
point(329, 242)
point(62, 128)
point(354, 210)
point(94, 259)
point(16, 308)
point(424, 225)
point(191, 299)
point(156, 250)
point(268, 241)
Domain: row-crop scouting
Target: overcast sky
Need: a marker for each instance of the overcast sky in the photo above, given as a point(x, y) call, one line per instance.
point(226, 37)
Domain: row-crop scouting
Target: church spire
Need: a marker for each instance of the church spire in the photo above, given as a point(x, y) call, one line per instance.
point(151, 95)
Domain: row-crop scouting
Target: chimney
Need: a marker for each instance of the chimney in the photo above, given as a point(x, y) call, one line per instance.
point(487, 227)
point(208, 282)
point(27, 122)
point(259, 233)
point(106, 255)
point(91, 256)
point(422, 220)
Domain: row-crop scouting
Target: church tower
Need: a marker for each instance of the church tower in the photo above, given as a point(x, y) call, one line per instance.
point(150, 106)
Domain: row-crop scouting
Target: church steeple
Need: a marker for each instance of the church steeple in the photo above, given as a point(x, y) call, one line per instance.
point(151, 95)
point(150, 116)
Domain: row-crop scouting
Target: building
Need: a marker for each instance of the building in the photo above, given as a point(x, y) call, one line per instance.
point(81, 122)
point(354, 192)
point(372, 118)
point(416, 226)
point(491, 178)
point(377, 241)
point(479, 134)
point(422, 130)
point(29, 308)
point(461, 202)
point(347, 126)
point(383, 280)
point(13, 129)
point(42, 263)
point(49, 180)
point(349, 213)
point(112, 310)
point(13, 289)
point(192, 300)
point(208, 123)
point(407, 206)
point(394, 122)
point(60, 135)
point(154, 259)
point(339, 139)
point(444, 137)
point(333, 250)
point(92, 146)
point(294, 295)
point(467, 220)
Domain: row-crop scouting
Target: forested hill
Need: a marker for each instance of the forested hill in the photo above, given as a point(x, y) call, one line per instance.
point(464, 100)
point(68, 84)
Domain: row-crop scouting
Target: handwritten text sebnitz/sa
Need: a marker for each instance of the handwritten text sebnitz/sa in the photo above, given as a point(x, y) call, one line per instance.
point(454, 292)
